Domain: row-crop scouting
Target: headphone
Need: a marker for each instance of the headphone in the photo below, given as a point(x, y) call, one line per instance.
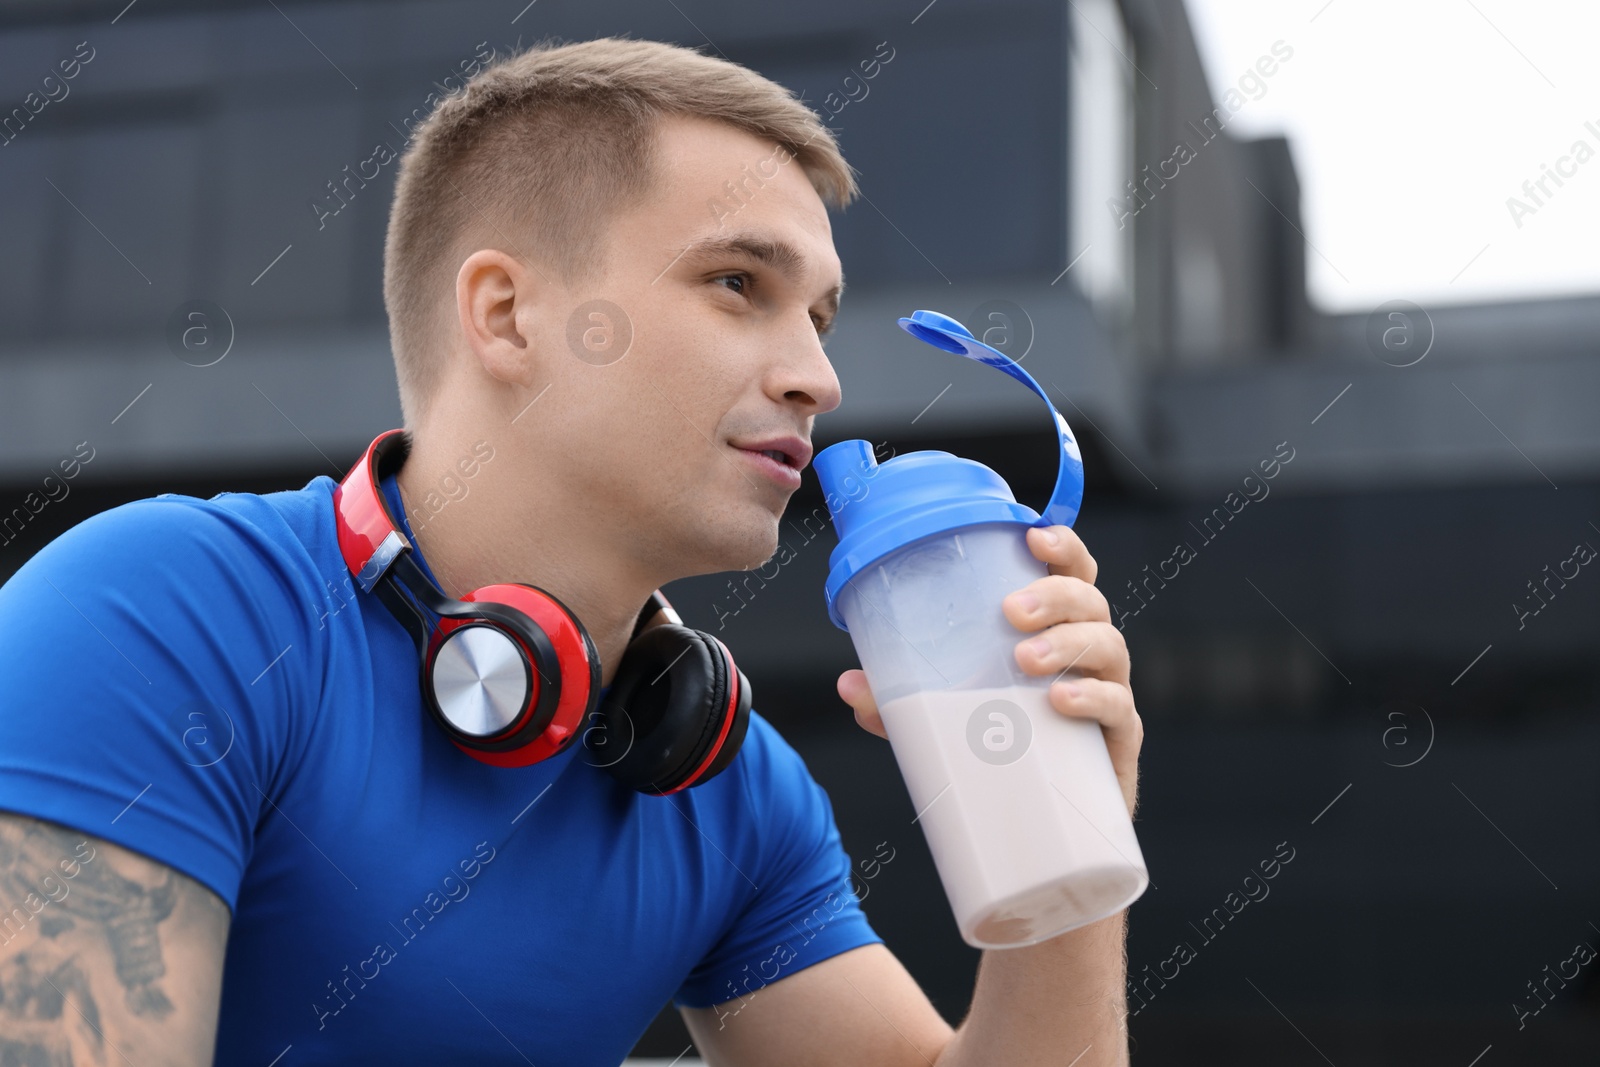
point(511, 676)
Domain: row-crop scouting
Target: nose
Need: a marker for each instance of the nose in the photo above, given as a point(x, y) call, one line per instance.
point(806, 377)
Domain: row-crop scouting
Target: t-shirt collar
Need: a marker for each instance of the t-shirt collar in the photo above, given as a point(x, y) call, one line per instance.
point(391, 492)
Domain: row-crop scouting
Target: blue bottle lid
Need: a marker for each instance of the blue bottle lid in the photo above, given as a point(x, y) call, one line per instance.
point(878, 508)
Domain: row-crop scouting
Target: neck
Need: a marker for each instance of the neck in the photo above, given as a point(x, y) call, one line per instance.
point(512, 524)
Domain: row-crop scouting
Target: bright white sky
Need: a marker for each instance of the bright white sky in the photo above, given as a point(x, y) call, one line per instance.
point(1411, 122)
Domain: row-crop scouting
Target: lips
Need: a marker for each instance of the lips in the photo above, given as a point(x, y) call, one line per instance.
point(780, 472)
point(793, 452)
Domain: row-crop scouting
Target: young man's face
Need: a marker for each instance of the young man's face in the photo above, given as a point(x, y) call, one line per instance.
point(724, 354)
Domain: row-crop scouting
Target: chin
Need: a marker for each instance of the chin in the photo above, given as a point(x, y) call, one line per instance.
point(744, 545)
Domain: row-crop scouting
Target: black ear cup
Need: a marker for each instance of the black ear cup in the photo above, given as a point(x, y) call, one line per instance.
point(675, 714)
point(736, 732)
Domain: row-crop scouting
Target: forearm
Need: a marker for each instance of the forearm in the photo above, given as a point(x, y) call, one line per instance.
point(1049, 1003)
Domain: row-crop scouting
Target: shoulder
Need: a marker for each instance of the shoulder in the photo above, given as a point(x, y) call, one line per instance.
point(765, 806)
point(163, 661)
point(778, 800)
point(800, 907)
point(773, 773)
point(171, 545)
point(764, 744)
point(173, 596)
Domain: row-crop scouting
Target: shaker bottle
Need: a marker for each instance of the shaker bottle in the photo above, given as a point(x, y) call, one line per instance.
point(1019, 804)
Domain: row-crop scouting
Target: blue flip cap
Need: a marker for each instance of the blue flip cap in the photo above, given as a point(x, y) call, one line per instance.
point(877, 509)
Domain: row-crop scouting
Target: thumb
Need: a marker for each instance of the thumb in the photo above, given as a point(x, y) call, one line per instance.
point(853, 690)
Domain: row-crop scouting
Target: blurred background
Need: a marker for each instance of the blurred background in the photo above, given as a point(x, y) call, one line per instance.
point(1218, 232)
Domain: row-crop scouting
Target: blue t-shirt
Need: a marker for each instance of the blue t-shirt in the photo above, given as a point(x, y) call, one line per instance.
point(200, 681)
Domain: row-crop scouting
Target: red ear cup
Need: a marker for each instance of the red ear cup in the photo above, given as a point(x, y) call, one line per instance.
point(676, 713)
point(511, 681)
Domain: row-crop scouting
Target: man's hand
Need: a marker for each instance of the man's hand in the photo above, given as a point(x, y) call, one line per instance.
point(1072, 636)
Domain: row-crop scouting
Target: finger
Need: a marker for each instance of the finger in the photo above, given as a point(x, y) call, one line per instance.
point(1111, 705)
point(1092, 649)
point(853, 690)
point(1066, 555)
point(1053, 599)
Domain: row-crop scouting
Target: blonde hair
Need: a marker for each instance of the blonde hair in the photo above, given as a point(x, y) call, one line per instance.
point(541, 149)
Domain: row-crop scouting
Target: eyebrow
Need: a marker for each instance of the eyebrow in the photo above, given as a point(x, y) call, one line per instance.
point(780, 255)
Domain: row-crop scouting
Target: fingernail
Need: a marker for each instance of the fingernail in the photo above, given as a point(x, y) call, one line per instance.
point(1071, 690)
point(1027, 602)
point(1051, 537)
point(1040, 645)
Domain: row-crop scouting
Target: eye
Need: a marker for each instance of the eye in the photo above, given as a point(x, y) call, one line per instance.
point(742, 278)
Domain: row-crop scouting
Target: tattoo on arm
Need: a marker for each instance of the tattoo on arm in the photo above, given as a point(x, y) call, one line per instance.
point(73, 924)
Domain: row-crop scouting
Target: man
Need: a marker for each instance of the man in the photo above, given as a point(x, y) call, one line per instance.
point(231, 826)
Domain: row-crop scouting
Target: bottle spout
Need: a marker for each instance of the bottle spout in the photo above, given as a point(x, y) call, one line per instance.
point(947, 334)
point(839, 468)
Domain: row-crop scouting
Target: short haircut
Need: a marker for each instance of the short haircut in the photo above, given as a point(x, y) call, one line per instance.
point(537, 153)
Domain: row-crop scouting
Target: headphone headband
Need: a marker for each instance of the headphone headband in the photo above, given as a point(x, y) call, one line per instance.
point(369, 538)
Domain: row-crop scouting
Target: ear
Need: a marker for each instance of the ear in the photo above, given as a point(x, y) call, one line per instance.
point(495, 299)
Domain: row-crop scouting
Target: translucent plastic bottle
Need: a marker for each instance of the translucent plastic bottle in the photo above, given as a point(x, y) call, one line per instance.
point(1019, 803)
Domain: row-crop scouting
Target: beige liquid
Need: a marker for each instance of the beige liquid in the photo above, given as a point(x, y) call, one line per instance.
point(1026, 849)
